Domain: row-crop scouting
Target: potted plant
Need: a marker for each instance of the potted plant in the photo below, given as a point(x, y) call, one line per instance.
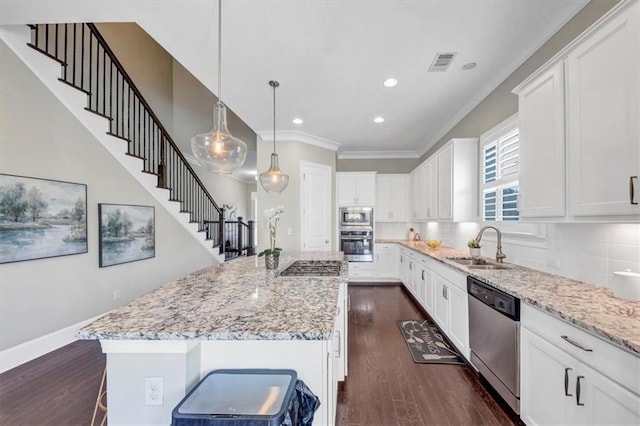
point(474, 248)
point(272, 254)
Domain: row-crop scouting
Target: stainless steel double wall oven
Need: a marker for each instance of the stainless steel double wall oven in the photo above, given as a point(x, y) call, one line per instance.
point(356, 233)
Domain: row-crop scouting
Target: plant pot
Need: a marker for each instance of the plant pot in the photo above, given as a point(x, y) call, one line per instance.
point(271, 261)
point(474, 252)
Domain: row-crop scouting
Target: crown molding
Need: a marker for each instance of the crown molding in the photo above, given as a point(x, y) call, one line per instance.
point(298, 136)
point(364, 155)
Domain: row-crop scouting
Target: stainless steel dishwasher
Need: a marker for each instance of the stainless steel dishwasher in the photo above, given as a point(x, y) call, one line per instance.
point(494, 339)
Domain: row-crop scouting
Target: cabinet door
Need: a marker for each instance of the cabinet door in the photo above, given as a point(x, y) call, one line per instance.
point(605, 402)
point(346, 189)
point(340, 334)
point(399, 197)
point(404, 268)
point(547, 382)
point(383, 209)
point(386, 264)
point(603, 129)
point(429, 293)
point(542, 162)
point(458, 318)
point(417, 188)
point(430, 183)
point(445, 183)
point(441, 304)
point(366, 190)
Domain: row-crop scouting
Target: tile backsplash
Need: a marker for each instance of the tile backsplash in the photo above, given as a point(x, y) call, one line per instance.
point(587, 252)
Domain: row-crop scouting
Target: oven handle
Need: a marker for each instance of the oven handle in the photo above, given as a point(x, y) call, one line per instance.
point(355, 238)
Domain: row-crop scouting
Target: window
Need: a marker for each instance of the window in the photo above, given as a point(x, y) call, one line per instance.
point(500, 148)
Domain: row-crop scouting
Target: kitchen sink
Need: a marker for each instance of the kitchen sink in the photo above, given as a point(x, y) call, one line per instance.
point(476, 263)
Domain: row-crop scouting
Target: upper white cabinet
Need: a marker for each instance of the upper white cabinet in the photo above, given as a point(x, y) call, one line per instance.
point(392, 198)
point(603, 119)
point(356, 189)
point(458, 180)
point(542, 147)
point(445, 185)
point(580, 125)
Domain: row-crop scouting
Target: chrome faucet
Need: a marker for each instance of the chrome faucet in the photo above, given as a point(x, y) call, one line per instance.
point(499, 254)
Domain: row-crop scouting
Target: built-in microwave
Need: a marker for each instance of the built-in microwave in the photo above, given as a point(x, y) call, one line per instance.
point(356, 216)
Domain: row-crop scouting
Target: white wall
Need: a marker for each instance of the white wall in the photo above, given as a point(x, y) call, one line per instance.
point(588, 252)
point(290, 153)
point(40, 138)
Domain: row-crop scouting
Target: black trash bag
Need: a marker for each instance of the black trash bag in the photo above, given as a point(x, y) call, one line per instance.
point(302, 407)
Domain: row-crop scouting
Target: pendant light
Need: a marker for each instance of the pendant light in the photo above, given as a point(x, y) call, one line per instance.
point(273, 180)
point(217, 150)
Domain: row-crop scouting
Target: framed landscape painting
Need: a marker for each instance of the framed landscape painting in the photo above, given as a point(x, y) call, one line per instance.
point(127, 233)
point(41, 218)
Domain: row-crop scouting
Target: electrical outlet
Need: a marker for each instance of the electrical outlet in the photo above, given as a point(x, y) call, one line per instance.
point(153, 392)
point(116, 295)
point(289, 231)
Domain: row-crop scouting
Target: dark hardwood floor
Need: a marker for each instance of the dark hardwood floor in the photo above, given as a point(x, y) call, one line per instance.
point(59, 388)
point(384, 386)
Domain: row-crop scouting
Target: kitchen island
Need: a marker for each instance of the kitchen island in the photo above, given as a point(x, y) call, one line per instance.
point(234, 315)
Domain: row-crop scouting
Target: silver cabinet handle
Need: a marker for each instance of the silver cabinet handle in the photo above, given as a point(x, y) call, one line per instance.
point(423, 275)
point(443, 292)
point(632, 194)
point(446, 292)
point(578, 389)
point(576, 344)
point(337, 310)
point(566, 381)
point(339, 349)
point(349, 303)
point(411, 266)
point(401, 259)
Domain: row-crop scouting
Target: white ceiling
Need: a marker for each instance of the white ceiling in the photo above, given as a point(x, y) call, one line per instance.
point(332, 56)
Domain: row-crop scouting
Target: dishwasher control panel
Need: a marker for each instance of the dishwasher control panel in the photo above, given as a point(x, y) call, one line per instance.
point(491, 296)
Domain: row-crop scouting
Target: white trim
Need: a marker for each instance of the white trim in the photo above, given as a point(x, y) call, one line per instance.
point(499, 129)
point(360, 155)
point(148, 346)
point(526, 234)
point(25, 352)
point(489, 88)
point(298, 136)
point(562, 54)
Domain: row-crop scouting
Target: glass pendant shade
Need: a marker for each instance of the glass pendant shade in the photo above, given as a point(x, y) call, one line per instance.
point(218, 150)
point(273, 180)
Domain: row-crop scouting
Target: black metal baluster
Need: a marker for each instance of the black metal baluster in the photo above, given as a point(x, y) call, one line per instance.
point(73, 70)
point(91, 97)
point(82, 36)
point(66, 49)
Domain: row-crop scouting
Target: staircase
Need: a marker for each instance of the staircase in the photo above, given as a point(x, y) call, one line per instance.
point(95, 87)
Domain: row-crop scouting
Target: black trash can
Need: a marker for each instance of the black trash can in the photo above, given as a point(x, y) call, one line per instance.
point(247, 397)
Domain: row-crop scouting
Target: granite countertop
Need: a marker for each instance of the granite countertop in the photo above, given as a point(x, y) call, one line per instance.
point(237, 300)
point(584, 305)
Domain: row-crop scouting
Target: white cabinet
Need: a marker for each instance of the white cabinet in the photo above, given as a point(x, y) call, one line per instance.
point(457, 182)
point(542, 147)
point(356, 189)
point(361, 271)
point(430, 189)
point(571, 377)
point(441, 304)
point(603, 124)
point(340, 335)
point(392, 198)
point(386, 262)
point(418, 211)
point(458, 331)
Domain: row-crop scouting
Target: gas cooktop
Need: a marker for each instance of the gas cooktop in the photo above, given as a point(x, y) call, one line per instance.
point(313, 268)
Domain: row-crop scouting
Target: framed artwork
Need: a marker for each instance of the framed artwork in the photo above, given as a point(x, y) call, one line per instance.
point(127, 233)
point(41, 218)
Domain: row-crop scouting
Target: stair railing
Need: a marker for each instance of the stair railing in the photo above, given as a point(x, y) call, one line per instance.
point(90, 66)
point(239, 238)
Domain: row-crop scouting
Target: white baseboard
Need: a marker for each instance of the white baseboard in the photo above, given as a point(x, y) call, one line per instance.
point(25, 352)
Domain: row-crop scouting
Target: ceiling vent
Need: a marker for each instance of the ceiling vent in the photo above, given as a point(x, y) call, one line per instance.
point(442, 61)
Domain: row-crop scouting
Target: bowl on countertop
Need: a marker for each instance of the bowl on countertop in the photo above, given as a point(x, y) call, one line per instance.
point(434, 243)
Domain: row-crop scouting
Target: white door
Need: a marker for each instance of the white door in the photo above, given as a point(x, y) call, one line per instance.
point(315, 199)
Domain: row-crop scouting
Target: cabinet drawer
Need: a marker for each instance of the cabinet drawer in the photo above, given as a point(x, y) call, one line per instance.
point(361, 269)
point(616, 363)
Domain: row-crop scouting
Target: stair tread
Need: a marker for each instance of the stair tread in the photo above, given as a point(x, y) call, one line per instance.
point(98, 113)
point(68, 83)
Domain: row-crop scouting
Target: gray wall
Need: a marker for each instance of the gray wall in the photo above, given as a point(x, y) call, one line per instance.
point(501, 103)
point(40, 138)
point(290, 153)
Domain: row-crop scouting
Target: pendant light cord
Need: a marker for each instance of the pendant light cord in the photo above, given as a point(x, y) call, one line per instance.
point(274, 116)
point(220, 51)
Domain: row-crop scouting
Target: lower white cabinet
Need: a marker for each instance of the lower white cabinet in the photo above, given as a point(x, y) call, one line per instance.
point(570, 377)
point(442, 293)
point(386, 262)
point(361, 271)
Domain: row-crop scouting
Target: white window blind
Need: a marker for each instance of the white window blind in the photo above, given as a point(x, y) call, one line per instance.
point(500, 171)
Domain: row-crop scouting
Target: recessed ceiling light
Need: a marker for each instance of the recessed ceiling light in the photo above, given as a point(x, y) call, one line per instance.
point(297, 121)
point(469, 65)
point(390, 82)
point(378, 119)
